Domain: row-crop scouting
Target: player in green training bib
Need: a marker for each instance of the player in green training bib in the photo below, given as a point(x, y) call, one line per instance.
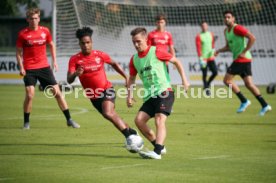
point(236, 36)
point(150, 64)
point(205, 44)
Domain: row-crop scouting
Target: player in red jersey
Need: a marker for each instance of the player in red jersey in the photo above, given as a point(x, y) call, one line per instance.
point(235, 36)
point(160, 37)
point(88, 65)
point(32, 60)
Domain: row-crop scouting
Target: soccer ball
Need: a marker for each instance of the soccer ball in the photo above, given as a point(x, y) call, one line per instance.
point(134, 143)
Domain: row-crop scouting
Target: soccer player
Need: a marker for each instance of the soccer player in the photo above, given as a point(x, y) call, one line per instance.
point(205, 44)
point(88, 66)
point(236, 36)
point(160, 37)
point(32, 60)
point(150, 64)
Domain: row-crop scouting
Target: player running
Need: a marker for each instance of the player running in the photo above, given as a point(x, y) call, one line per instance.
point(205, 44)
point(236, 36)
point(32, 60)
point(150, 64)
point(88, 65)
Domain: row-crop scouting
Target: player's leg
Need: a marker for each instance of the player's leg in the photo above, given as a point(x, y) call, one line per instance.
point(161, 132)
point(213, 68)
point(108, 112)
point(234, 69)
point(163, 106)
point(248, 81)
point(141, 120)
point(204, 77)
point(30, 80)
point(47, 80)
point(30, 92)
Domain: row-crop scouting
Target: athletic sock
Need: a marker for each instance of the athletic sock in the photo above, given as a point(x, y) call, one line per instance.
point(153, 142)
point(26, 117)
point(261, 100)
point(125, 132)
point(241, 97)
point(158, 148)
point(132, 131)
point(67, 114)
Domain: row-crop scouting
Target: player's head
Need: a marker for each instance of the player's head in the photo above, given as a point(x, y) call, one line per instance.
point(85, 39)
point(33, 17)
point(229, 17)
point(139, 38)
point(161, 21)
point(204, 26)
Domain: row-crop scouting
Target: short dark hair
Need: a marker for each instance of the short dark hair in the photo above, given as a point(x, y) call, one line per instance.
point(138, 30)
point(85, 31)
point(161, 17)
point(229, 12)
point(203, 21)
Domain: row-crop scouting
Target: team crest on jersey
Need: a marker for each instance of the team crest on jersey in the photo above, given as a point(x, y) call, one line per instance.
point(166, 37)
point(43, 35)
point(98, 60)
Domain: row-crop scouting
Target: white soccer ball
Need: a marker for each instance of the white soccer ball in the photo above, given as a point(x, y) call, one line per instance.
point(134, 143)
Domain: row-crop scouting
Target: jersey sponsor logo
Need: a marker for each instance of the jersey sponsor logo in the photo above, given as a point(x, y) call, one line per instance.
point(43, 35)
point(162, 107)
point(97, 60)
point(148, 68)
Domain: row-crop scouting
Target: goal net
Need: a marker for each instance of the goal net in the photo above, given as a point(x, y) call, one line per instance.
point(112, 21)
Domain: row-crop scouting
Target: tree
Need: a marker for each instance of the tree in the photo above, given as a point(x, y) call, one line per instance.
point(10, 7)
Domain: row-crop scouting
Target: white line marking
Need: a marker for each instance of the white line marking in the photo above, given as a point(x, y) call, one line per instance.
point(80, 111)
point(213, 157)
point(123, 166)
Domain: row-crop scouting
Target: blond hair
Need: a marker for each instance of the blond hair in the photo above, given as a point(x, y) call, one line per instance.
point(32, 11)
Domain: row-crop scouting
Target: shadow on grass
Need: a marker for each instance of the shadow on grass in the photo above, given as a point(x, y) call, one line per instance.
point(77, 154)
point(71, 154)
point(69, 145)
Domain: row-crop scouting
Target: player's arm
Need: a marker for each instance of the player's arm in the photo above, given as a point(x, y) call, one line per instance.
point(181, 72)
point(130, 86)
point(73, 71)
point(131, 83)
point(118, 69)
point(223, 49)
point(53, 54)
point(251, 40)
point(19, 59)
point(172, 50)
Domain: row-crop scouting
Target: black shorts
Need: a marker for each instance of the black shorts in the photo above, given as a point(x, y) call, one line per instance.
point(242, 69)
point(44, 75)
point(160, 104)
point(108, 94)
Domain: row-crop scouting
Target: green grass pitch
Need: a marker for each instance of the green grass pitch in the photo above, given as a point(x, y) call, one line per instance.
point(207, 142)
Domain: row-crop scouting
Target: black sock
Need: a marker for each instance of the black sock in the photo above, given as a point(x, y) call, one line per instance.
point(261, 100)
point(132, 131)
point(125, 132)
point(153, 142)
point(26, 117)
point(241, 97)
point(158, 148)
point(67, 114)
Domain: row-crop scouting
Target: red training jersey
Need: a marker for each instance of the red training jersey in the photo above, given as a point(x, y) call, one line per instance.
point(93, 79)
point(160, 39)
point(33, 43)
point(160, 54)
